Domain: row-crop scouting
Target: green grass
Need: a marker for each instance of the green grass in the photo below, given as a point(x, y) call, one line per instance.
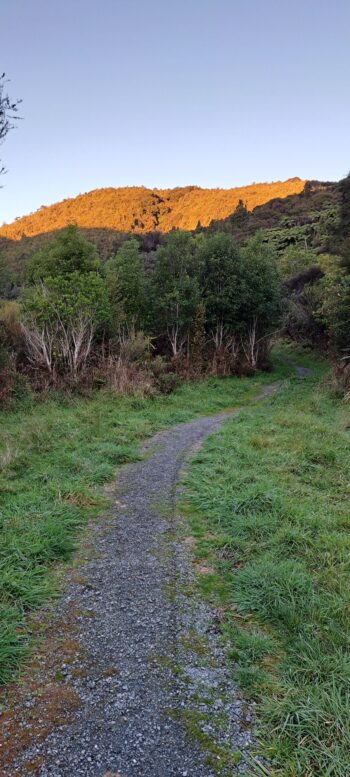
point(268, 500)
point(54, 457)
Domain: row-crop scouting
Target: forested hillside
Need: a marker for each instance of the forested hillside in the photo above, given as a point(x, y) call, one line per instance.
point(138, 209)
point(309, 219)
point(306, 218)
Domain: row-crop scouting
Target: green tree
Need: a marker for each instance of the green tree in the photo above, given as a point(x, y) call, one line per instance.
point(263, 300)
point(261, 306)
point(241, 296)
point(223, 285)
point(125, 277)
point(175, 289)
point(66, 298)
point(68, 252)
point(64, 305)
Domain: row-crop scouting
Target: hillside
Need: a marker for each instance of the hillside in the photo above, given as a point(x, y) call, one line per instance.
point(140, 210)
point(310, 219)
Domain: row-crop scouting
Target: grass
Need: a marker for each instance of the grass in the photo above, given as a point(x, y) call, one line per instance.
point(268, 501)
point(55, 455)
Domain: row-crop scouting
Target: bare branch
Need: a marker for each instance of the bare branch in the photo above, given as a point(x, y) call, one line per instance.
point(8, 114)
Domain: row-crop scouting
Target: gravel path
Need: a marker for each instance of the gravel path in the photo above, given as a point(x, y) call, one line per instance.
point(154, 693)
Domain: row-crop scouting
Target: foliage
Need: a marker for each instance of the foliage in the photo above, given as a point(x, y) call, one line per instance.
point(175, 289)
point(319, 312)
point(263, 302)
point(157, 283)
point(207, 303)
point(241, 295)
point(333, 310)
point(67, 253)
point(65, 298)
point(126, 286)
point(294, 261)
point(65, 305)
point(222, 281)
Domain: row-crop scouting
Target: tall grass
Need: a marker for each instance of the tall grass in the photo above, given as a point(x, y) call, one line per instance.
point(268, 499)
point(54, 457)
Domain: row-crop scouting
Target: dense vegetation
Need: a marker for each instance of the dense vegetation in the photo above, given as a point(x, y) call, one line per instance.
point(207, 306)
point(303, 239)
point(267, 499)
point(140, 209)
point(303, 219)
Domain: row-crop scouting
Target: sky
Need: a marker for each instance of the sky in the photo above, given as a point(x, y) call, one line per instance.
point(167, 93)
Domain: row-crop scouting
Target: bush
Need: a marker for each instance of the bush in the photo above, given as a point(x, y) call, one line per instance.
point(13, 385)
point(341, 377)
point(167, 382)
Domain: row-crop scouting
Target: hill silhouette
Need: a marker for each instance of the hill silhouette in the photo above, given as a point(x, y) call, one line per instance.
point(140, 210)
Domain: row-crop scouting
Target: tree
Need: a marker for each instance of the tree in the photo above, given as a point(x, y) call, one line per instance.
point(125, 277)
point(8, 114)
point(261, 306)
point(242, 298)
point(60, 320)
point(240, 215)
point(223, 288)
point(68, 252)
point(64, 305)
point(175, 289)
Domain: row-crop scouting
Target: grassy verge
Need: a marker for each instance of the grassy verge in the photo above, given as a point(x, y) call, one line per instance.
point(54, 457)
point(267, 498)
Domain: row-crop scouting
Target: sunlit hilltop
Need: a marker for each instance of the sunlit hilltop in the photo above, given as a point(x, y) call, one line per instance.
point(138, 209)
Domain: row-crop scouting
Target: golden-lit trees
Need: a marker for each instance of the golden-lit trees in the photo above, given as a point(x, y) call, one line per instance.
point(138, 210)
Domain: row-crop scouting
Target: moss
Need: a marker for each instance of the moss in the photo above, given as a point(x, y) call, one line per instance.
point(218, 757)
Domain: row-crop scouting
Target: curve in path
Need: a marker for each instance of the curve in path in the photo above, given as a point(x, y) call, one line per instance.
point(149, 657)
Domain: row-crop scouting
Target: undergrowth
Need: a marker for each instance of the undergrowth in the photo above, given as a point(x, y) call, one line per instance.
point(267, 499)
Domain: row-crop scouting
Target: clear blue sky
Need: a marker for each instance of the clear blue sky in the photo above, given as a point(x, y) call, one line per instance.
point(172, 92)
